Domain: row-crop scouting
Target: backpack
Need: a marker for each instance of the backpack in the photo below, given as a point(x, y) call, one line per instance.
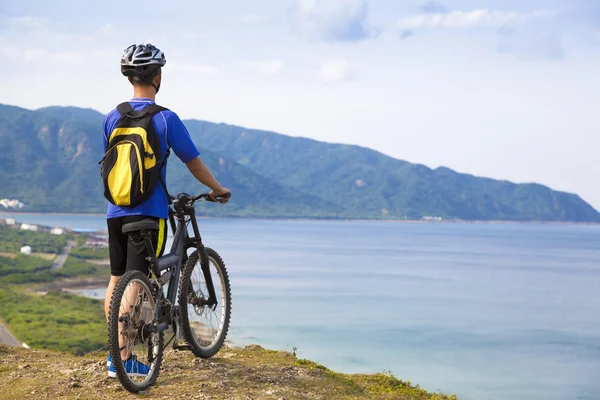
point(131, 166)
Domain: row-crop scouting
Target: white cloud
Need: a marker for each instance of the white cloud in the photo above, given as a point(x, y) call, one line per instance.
point(196, 69)
point(542, 46)
point(337, 70)
point(271, 68)
point(331, 20)
point(28, 22)
point(44, 56)
point(252, 18)
point(470, 19)
point(434, 7)
point(107, 30)
point(193, 36)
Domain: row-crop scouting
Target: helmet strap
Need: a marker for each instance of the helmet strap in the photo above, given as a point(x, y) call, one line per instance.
point(156, 87)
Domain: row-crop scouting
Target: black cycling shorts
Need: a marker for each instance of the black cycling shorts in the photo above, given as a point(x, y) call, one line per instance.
point(128, 252)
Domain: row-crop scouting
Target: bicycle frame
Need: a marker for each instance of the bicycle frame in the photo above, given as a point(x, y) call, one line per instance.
point(167, 268)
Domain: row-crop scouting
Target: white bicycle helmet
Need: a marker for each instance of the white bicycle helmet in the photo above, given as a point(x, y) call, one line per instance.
point(142, 62)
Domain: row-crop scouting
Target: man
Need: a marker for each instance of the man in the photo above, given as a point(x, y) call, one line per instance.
point(142, 65)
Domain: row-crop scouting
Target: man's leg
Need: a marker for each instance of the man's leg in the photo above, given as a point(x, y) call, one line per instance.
point(117, 245)
point(109, 291)
point(136, 260)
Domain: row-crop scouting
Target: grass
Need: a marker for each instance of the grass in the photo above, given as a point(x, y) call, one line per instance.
point(233, 373)
point(90, 253)
point(57, 320)
point(32, 269)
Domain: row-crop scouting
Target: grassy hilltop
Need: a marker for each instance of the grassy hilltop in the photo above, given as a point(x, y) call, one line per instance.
point(234, 373)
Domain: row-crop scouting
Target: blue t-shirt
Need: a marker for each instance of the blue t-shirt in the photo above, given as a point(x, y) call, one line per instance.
point(172, 134)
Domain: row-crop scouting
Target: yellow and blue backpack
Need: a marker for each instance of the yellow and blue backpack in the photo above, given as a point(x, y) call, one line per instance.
point(131, 166)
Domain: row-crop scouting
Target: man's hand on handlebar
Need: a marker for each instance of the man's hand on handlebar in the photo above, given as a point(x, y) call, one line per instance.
point(222, 195)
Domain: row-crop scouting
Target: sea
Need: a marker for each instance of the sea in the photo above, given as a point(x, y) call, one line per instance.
point(486, 311)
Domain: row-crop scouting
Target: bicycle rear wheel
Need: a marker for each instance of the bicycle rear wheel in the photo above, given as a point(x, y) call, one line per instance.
point(130, 320)
point(204, 326)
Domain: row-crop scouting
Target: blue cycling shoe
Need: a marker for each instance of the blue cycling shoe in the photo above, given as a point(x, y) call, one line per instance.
point(132, 366)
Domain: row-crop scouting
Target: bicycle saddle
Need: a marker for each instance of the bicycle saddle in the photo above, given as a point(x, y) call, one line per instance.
point(143, 225)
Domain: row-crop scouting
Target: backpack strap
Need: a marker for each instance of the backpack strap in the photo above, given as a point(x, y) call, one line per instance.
point(160, 177)
point(124, 108)
point(153, 109)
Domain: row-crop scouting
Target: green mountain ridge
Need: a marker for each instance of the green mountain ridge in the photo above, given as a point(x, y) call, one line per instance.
point(49, 162)
point(379, 185)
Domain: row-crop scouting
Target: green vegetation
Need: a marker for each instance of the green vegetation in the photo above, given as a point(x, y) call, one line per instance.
point(12, 239)
point(90, 253)
point(75, 267)
point(56, 320)
point(31, 269)
point(24, 269)
point(365, 183)
point(271, 175)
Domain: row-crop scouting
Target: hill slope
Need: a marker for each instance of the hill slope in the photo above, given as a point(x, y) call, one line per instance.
point(49, 161)
point(249, 373)
point(366, 182)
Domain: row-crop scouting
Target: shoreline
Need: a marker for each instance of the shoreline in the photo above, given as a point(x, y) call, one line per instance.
point(14, 214)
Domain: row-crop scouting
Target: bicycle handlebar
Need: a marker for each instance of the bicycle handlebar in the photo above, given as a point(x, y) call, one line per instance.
point(203, 196)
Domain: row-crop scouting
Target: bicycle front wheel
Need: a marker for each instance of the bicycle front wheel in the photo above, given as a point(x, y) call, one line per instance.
point(135, 349)
point(205, 325)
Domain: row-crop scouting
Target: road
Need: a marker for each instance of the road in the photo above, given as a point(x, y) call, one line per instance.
point(60, 261)
point(7, 338)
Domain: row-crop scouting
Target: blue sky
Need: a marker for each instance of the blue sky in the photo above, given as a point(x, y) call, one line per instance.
point(505, 89)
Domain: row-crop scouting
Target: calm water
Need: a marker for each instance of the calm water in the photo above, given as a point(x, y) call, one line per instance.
point(498, 312)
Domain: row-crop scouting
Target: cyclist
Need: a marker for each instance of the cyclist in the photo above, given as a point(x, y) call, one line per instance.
point(142, 65)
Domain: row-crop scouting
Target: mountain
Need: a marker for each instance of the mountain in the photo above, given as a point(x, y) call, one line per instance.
point(368, 183)
point(49, 162)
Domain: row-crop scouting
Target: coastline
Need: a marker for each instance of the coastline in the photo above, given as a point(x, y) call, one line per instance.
point(14, 214)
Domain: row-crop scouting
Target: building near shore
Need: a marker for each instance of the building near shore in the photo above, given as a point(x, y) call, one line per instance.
point(29, 227)
point(11, 203)
point(10, 221)
point(26, 250)
point(57, 231)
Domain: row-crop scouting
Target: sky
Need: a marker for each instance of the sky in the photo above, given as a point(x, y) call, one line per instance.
point(504, 89)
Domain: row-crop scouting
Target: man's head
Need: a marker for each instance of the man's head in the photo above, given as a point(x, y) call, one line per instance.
point(142, 65)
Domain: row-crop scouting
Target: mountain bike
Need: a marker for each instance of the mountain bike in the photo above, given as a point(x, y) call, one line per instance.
point(197, 308)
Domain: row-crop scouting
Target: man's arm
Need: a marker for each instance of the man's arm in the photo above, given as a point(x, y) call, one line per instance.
point(204, 176)
point(178, 138)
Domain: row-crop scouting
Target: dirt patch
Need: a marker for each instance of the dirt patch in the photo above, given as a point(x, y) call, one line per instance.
point(79, 283)
point(45, 256)
point(102, 263)
point(8, 255)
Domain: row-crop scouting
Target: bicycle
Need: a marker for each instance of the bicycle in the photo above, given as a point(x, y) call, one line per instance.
point(141, 322)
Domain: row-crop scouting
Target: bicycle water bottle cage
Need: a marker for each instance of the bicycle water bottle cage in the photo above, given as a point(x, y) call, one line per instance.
point(143, 225)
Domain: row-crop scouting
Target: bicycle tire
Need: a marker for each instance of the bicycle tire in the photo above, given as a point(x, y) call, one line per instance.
point(113, 334)
point(197, 348)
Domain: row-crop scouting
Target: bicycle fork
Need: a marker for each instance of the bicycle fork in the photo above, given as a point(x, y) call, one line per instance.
point(205, 265)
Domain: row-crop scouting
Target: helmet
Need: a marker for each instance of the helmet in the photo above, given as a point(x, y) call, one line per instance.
point(142, 62)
